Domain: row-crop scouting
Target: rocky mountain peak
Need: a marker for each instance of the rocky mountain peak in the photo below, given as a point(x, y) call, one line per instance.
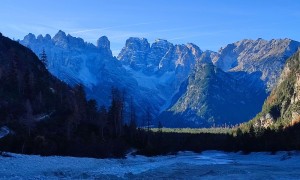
point(60, 39)
point(103, 42)
point(40, 37)
point(196, 51)
point(45, 39)
point(160, 51)
point(135, 52)
point(103, 45)
point(65, 41)
point(30, 37)
point(161, 43)
point(137, 43)
point(60, 35)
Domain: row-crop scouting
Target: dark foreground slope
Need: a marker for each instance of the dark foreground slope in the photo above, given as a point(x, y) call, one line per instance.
point(45, 116)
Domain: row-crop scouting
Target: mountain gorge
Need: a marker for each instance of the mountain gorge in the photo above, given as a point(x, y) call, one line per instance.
point(180, 84)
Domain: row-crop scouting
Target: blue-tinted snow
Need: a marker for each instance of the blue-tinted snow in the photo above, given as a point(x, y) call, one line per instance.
point(206, 165)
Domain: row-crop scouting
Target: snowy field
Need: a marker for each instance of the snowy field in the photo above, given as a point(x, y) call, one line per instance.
point(185, 165)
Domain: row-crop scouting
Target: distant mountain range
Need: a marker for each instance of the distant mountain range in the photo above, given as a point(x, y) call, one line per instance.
point(180, 85)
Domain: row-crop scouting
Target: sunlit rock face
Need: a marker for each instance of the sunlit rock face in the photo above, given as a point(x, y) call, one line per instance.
point(266, 57)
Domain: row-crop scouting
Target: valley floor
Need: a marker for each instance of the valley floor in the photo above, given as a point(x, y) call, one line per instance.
point(206, 165)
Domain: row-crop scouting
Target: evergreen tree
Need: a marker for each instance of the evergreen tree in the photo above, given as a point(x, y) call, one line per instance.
point(43, 57)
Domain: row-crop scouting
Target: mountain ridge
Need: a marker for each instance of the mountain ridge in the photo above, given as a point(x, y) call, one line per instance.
point(267, 57)
point(154, 73)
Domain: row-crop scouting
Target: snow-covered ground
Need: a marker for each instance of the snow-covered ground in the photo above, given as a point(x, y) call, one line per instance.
point(185, 165)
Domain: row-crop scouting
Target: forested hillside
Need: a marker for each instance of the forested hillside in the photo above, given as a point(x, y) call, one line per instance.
point(46, 116)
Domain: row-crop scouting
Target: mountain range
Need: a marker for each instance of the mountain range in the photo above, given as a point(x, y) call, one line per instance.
point(181, 85)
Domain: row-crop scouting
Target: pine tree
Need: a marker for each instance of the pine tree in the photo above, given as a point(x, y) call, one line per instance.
point(43, 57)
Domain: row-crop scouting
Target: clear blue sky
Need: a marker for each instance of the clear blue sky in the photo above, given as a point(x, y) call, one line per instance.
point(208, 23)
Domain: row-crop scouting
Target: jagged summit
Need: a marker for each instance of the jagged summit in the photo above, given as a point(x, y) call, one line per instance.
point(29, 37)
point(195, 49)
point(103, 42)
point(137, 43)
point(162, 56)
point(60, 35)
point(104, 45)
point(161, 41)
point(41, 38)
point(135, 52)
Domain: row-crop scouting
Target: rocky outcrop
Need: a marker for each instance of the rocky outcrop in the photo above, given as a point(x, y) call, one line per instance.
point(103, 44)
point(282, 107)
